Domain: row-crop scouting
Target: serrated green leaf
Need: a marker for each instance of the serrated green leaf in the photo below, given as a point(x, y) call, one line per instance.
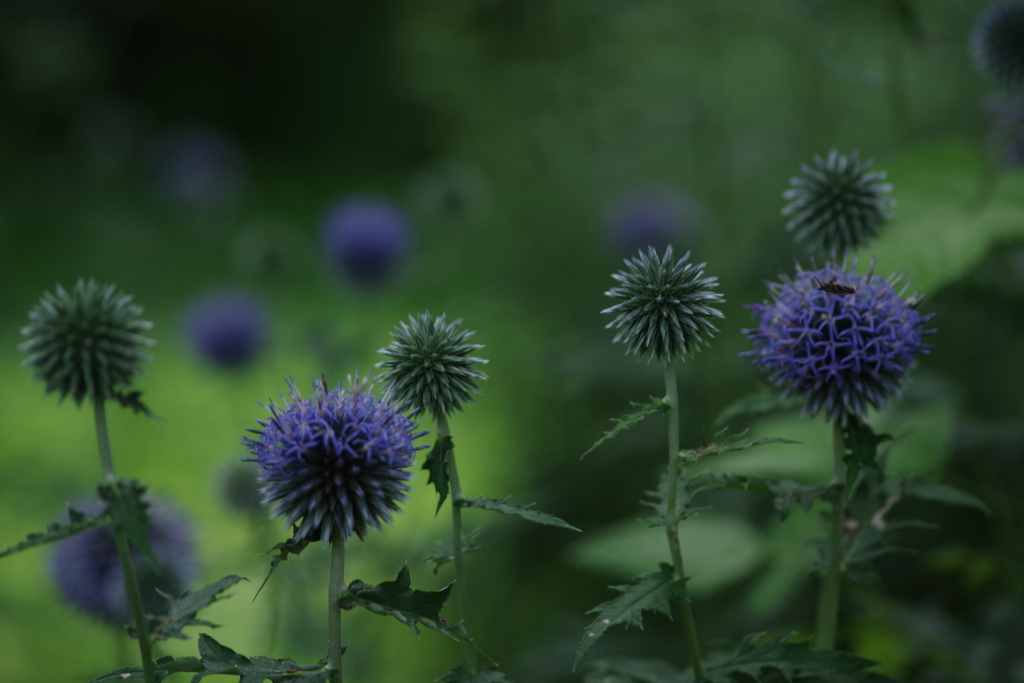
point(133, 400)
point(524, 511)
point(77, 521)
point(164, 667)
point(941, 493)
point(220, 659)
point(861, 445)
point(437, 465)
point(723, 443)
point(460, 675)
point(643, 410)
point(181, 611)
point(442, 553)
point(652, 592)
point(658, 499)
point(633, 670)
point(127, 512)
point(397, 599)
point(784, 492)
point(284, 549)
point(765, 400)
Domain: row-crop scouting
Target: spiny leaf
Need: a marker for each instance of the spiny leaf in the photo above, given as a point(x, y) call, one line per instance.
point(657, 405)
point(460, 675)
point(784, 492)
point(77, 521)
point(181, 611)
point(764, 400)
point(633, 670)
point(220, 659)
point(133, 400)
point(411, 607)
point(442, 552)
point(652, 591)
point(127, 512)
point(723, 443)
point(658, 499)
point(165, 666)
point(524, 511)
point(861, 444)
point(941, 493)
point(437, 465)
point(284, 549)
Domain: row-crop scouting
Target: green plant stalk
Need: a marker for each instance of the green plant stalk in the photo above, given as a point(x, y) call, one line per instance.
point(334, 592)
point(131, 583)
point(827, 622)
point(461, 587)
point(672, 521)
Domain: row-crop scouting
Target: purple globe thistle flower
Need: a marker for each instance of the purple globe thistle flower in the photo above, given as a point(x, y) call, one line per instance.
point(652, 218)
point(88, 574)
point(997, 43)
point(366, 239)
point(842, 341)
point(228, 327)
point(197, 169)
point(334, 463)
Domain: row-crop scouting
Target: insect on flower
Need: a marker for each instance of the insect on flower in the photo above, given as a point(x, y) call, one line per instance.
point(833, 287)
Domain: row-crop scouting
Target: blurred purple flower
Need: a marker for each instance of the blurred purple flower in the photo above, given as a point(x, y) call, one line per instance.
point(365, 239)
point(1006, 135)
point(197, 169)
point(655, 218)
point(228, 328)
point(88, 574)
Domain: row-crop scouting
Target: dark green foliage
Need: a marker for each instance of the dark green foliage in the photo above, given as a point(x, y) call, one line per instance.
point(765, 400)
point(722, 443)
point(437, 465)
point(127, 512)
point(524, 511)
point(784, 492)
point(397, 599)
point(861, 445)
point(776, 659)
point(86, 343)
point(643, 410)
point(666, 308)
point(430, 366)
point(653, 592)
point(181, 611)
point(284, 549)
point(218, 659)
point(940, 493)
point(54, 532)
point(839, 204)
point(460, 675)
point(442, 553)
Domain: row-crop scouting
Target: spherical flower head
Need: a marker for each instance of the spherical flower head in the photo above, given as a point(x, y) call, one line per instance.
point(334, 464)
point(839, 203)
point(842, 351)
point(650, 219)
point(997, 43)
point(429, 365)
point(366, 239)
point(86, 343)
point(228, 328)
point(666, 308)
point(88, 574)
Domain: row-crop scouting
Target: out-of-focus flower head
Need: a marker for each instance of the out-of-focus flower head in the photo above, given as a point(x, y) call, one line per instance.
point(366, 239)
point(651, 218)
point(197, 169)
point(86, 343)
point(997, 43)
point(228, 328)
point(88, 574)
point(839, 203)
point(844, 342)
point(238, 487)
point(666, 305)
point(334, 464)
point(1006, 135)
point(428, 364)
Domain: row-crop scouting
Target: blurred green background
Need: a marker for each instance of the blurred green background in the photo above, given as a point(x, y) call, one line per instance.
point(508, 130)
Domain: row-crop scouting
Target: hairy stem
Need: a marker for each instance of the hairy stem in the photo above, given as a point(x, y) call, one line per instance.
point(672, 520)
point(461, 586)
point(131, 584)
point(828, 596)
point(334, 592)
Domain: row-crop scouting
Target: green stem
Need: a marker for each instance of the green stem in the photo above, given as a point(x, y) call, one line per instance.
point(672, 520)
point(131, 584)
point(334, 592)
point(461, 587)
point(828, 596)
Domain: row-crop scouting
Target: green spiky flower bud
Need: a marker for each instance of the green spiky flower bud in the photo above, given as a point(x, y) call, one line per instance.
point(429, 364)
point(86, 343)
point(666, 311)
point(839, 203)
